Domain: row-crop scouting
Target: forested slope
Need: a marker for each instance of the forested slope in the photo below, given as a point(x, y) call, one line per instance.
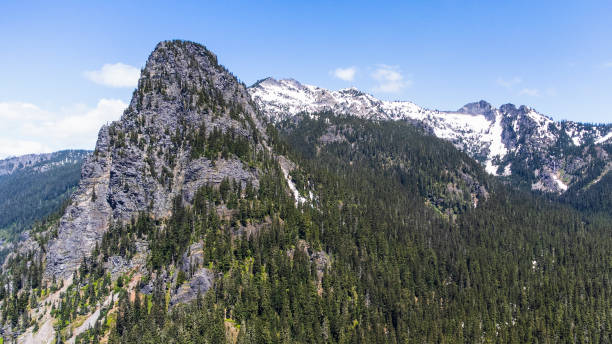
point(33, 191)
point(402, 267)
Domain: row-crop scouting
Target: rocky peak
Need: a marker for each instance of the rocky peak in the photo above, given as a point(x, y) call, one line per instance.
point(352, 91)
point(158, 151)
point(508, 108)
point(265, 82)
point(188, 76)
point(477, 108)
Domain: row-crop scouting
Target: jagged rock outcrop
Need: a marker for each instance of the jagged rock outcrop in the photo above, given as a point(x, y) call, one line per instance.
point(519, 143)
point(479, 108)
point(200, 278)
point(200, 282)
point(152, 155)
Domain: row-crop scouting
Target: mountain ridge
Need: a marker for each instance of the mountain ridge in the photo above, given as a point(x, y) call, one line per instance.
point(506, 140)
point(42, 161)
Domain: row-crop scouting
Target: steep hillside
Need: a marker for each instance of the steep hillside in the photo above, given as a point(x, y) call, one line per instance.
point(428, 168)
point(189, 123)
point(496, 273)
point(34, 186)
point(190, 127)
point(521, 144)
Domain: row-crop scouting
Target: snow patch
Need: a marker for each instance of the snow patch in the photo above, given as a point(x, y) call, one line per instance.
point(497, 147)
point(604, 138)
point(490, 168)
point(296, 194)
point(507, 170)
point(559, 182)
point(576, 135)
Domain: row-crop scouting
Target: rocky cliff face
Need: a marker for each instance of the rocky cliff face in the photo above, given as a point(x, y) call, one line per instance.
point(151, 155)
point(518, 143)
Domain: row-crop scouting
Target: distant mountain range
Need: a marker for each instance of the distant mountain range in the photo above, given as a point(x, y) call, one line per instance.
point(518, 143)
point(34, 186)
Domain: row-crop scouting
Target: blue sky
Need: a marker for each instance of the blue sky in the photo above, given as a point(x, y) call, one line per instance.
point(55, 91)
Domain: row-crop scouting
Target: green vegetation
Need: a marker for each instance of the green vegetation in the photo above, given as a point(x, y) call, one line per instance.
point(592, 193)
point(390, 248)
point(516, 268)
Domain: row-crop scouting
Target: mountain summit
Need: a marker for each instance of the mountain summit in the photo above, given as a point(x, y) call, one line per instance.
point(153, 154)
point(477, 108)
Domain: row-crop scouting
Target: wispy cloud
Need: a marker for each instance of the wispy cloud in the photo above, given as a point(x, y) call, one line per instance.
point(27, 128)
point(533, 92)
point(390, 79)
point(346, 74)
point(509, 83)
point(114, 75)
point(607, 64)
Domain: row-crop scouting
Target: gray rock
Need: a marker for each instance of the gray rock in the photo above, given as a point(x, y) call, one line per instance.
point(143, 161)
point(117, 265)
point(193, 257)
point(202, 171)
point(147, 288)
point(200, 282)
point(86, 218)
point(478, 108)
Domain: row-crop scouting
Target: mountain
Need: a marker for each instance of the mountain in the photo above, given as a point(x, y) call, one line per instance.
point(34, 186)
point(198, 221)
point(521, 144)
point(190, 127)
point(155, 153)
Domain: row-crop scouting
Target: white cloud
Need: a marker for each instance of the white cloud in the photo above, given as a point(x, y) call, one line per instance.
point(10, 147)
point(26, 128)
point(533, 92)
point(509, 83)
point(607, 64)
point(20, 111)
point(114, 75)
point(346, 74)
point(390, 79)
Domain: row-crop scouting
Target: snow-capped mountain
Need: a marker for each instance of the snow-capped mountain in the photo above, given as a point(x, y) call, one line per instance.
point(518, 143)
